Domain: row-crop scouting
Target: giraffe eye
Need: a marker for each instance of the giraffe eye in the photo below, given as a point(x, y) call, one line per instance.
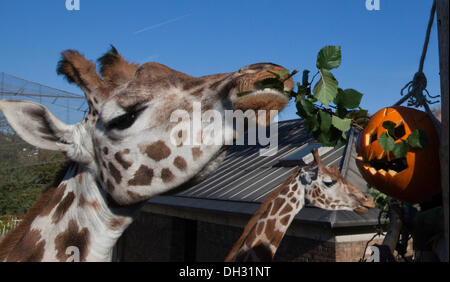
point(124, 121)
point(329, 182)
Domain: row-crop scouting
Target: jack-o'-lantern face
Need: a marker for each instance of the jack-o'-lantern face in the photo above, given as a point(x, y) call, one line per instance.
point(414, 178)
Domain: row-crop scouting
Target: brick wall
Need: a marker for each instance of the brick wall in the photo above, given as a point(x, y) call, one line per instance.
point(155, 237)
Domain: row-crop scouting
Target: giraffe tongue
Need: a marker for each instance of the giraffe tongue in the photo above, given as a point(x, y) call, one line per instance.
point(361, 210)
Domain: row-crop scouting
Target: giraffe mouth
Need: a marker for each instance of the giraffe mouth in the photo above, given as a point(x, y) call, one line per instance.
point(364, 207)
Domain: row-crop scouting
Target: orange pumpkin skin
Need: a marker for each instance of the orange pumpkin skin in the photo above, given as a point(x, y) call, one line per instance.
point(421, 179)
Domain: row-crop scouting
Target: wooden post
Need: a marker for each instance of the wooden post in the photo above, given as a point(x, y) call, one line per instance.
point(442, 23)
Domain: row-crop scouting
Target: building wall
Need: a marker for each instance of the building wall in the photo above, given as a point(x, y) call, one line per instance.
point(154, 237)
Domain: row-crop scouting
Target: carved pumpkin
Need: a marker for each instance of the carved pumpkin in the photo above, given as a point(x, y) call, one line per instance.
point(412, 179)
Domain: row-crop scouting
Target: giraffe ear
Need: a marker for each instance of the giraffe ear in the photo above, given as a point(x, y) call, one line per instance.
point(76, 69)
point(115, 69)
point(36, 125)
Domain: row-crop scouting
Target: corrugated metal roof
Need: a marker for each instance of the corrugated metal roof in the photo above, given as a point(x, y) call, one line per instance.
point(245, 176)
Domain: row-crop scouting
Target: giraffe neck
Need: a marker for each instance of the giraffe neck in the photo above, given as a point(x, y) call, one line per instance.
point(73, 220)
point(266, 229)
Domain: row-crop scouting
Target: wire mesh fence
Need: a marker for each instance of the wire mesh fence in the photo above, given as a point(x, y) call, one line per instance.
point(24, 169)
point(8, 223)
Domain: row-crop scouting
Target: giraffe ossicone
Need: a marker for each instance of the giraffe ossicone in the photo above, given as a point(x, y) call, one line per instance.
point(320, 185)
point(121, 153)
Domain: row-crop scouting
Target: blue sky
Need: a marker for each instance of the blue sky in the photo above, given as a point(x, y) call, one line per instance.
point(380, 49)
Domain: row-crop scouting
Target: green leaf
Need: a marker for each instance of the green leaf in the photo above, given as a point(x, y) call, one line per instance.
point(390, 127)
point(244, 93)
point(386, 142)
point(308, 107)
point(350, 98)
point(400, 149)
point(326, 139)
point(357, 114)
point(329, 57)
point(273, 83)
point(418, 139)
point(326, 88)
point(283, 72)
point(325, 121)
point(343, 124)
point(274, 74)
point(341, 142)
point(312, 123)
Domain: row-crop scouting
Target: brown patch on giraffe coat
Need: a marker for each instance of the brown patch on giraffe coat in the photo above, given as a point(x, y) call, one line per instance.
point(180, 163)
point(72, 236)
point(294, 188)
point(119, 158)
point(167, 175)
point(143, 176)
point(260, 227)
point(277, 205)
point(115, 173)
point(105, 150)
point(196, 153)
point(109, 186)
point(63, 207)
point(272, 234)
point(54, 200)
point(287, 209)
point(285, 190)
point(285, 220)
point(27, 248)
point(270, 225)
point(157, 150)
point(82, 202)
point(116, 223)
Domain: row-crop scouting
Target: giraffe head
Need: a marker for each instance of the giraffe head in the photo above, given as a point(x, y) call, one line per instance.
point(132, 141)
point(325, 188)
